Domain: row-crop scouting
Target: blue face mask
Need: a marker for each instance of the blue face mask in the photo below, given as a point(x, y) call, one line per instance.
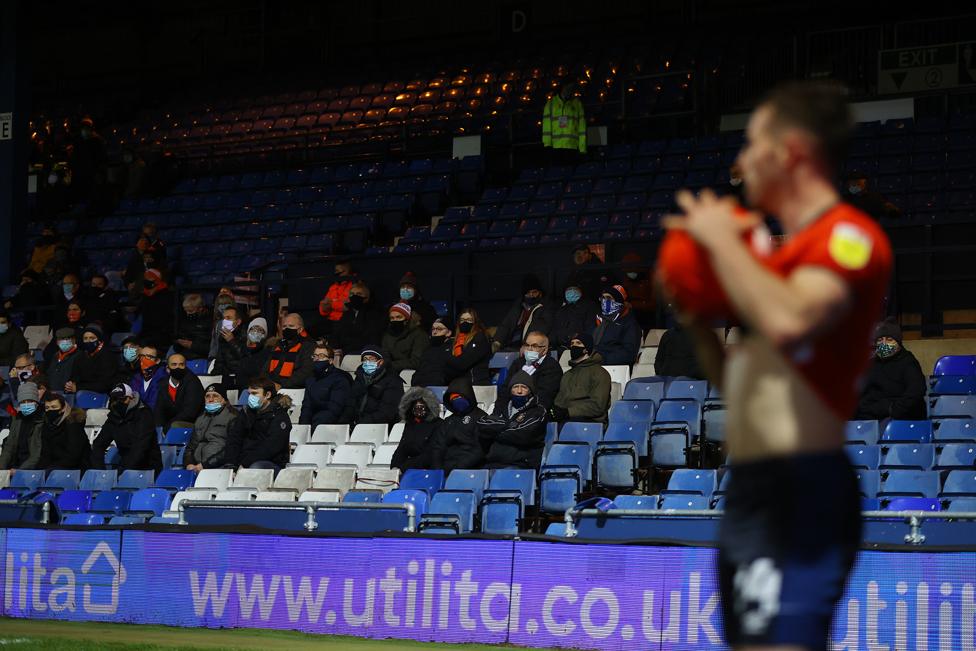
point(460, 405)
point(406, 293)
point(65, 345)
point(253, 401)
point(573, 295)
point(214, 407)
point(370, 367)
point(609, 306)
point(3, 328)
point(27, 408)
point(519, 401)
point(130, 354)
point(68, 290)
point(531, 356)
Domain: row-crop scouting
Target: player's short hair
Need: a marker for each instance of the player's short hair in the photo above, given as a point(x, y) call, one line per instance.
point(820, 109)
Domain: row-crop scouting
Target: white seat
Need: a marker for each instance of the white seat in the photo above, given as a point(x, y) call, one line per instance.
point(564, 360)
point(296, 480)
point(653, 337)
point(485, 395)
point(92, 433)
point(407, 375)
point(396, 432)
point(647, 355)
point(238, 495)
point(337, 434)
point(232, 396)
point(96, 417)
point(311, 454)
point(619, 373)
point(37, 336)
point(384, 455)
point(355, 454)
point(350, 363)
point(374, 433)
point(219, 478)
point(210, 379)
point(297, 395)
point(4, 478)
point(642, 370)
point(299, 434)
point(276, 496)
point(197, 494)
point(616, 392)
point(324, 495)
point(257, 478)
point(373, 478)
point(4, 433)
point(334, 478)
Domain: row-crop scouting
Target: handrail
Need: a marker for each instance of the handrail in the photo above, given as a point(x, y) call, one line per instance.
point(310, 509)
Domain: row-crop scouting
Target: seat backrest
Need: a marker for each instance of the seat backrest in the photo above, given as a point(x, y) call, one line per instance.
point(297, 395)
point(98, 480)
point(91, 400)
point(863, 456)
point(149, 499)
point(953, 429)
point(299, 434)
point(913, 504)
point(475, 481)
point(96, 417)
point(687, 411)
point(636, 433)
point(691, 389)
point(219, 478)
point(337, 434)
point(459, 503)
point(296, 479)
point(619, 373)
point(644, 391)
point(332, 478)
point(374, 433)
point(428, 480)
point(951, 365)
point(74, 500)
point(917, 431)
point(636, 502)
point(591, 433)
point(30, 479)
point(699, 482)
point(363, 497)
point(418, 498)
point(135, 479)
point(955, 385)
point(396, 432)
point(357, 454)
point(83, 519)
point(953, 406)
point(515, 479)
point(313, 454)
point(962, 504)
point(111, 501)
point(960, 482)
point(862, 431)
point(63, 479)
point(384, 455)
point(320, 496)
point(911, 483)
point(178, 436)
point(684, 502)
point(173, 479)
point(571, 454)
point(909, 455)
point(632, 411)
point(257, 478)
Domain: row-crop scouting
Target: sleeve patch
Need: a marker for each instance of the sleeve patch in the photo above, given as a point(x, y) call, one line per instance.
point(850, 246)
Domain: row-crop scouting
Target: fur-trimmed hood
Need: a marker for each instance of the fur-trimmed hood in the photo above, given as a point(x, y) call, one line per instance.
point(282, 400)
point(419, 393)
point(76, 415)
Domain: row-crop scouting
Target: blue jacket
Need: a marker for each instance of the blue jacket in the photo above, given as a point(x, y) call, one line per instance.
point(618, 340)
point(158, 383)
point(326, 398)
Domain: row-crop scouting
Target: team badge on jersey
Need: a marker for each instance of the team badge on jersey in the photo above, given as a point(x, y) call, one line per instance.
point(849, 246)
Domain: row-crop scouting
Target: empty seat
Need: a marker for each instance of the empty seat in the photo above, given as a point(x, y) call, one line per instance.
point(135, 480)
point(299, 434)
point(200, 494)
point(218, 478)
point(148, 502)
point(909, 483)
point(959, 430)
point(619, 373)
point(636, 502)
point(320, 496)
point(566, 453)
point(337, 479)
point(957, 385)
point(96, 417)
point(684, 502)
point(381, 479)
point(956, 455)
point(418, 498)
point(918, 457)
point(384, 455)
point(909, 431)
point(91, 400)
point(450, 510)
point(632, 411)
point(114, 502)
point(311, 454)
point(396, 433)
point(276, 496)
point(374, 433)
point(869, 482)
point(257, 479)
point(591, 433)
point(27, 480)
point(960, 406)
point(98, 480)
point(559, 487)
point(867, 457)
point(294, 480)
point(83, 519)
point(356, 454)
point(175, 480)
point(862, 431)
point(426, 480)
point(475, 481)
point(644, 391)
point(337, 434)
point(237, 495)
point(59, 480)
point(959, 483)
point(693, 482)
point(913, 504)
point(691, 389)
point(74, 500)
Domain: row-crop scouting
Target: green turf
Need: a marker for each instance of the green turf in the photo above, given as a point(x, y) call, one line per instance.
point(92, 636)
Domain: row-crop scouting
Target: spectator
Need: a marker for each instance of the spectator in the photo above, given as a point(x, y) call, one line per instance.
point(376, 391)
point(676, 356)
point(193, 330)
point(404, 341)
point(327, 391)
point(471, 351)
point(863, 198)
point(577, 313)
point(362, 322)
point(255, 354)
point(68, 294)
point(144, 257)
point(411, 295)
point(43, 249)
point(584, 392)
point(64, 443)
point(32, 295)
point(895, 385)
point(208, 444)
point(564, 126)
point(530, 312)
point(22, 447)
point(515, 437)
point(258, 438)
point(617, 336)
point(151, 378)
point(224, 301)
point(231, 339)
point(150, 231)
point(94, 370)
point(420, 411)
point(23, 370)
point(333, 304)
point(60, 369)
point(157, 310)
point(101, 304)
point(457, 444)
point(182, 401)
point(290, 363)
point(12, 341)
point(432, 369)
point(587, 272)
point(639, 287)
point(128, 363)
point(536, 361)
point(131, 426)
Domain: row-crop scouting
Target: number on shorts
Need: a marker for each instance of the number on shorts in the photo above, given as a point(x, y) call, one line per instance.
point(757, 589)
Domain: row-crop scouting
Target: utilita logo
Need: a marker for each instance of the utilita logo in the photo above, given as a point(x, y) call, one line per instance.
point(38, 589)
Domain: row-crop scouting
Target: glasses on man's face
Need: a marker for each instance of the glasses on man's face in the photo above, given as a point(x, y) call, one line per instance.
point(29, 367)
point(535, 346)
point(320, 357)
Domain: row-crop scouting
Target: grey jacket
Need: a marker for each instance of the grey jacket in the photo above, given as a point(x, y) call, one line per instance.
point(209, 441)
point(20, 426)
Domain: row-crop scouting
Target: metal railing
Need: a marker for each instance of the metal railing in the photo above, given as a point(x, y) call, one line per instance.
point(310, 509)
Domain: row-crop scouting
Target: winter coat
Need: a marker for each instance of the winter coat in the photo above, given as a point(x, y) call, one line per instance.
point(157, 319)
point(12, 344)
point(326, 398)
point(94, 372)
point(676, 355)
point(424, 311)
point(515, 440)
point(618, 339)
point(134, 434)
point(358, 328)
point(456, 444)
point(277, 368)
point(60, 372)
point(149, 396)
point(547, 375)
point(404, 351)
point(374, 399)
point(31, 427)
point(572, 319)
point(260, 435)
point(198, 330)
point(101, 307)
point(187, 406)
point(893, 388)
point(584, 391)
point(208, 444)
point(251, 364)
point(509, 335)
point(230, 352)
point(417, 444)
point(65, 445)
point(472, 362)
point(432, 369)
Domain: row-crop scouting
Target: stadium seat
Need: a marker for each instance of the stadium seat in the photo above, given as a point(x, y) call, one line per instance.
point(913, 504)
point(175, 480)
point(60, 480)
point(907, 431)
point(869, 482)
point(83, 519)
point(862, 431)
point(178, 436)
point(355, 454)
point(953, 385)
point(684, 502)
point(954, 365)
point(256, 479)
point(909, 483)
point(148, 502)
point(956, 456)
point(475, 481)
point(333, 478)
point(959, 483)
point(114, 502)
point(293, 480)
point(363, 497)
point(198, 366)
point(865, 457)
point(419, 499)
point(567, 453)
point(591, 433)
point(962, 504)
point(556, 529)
point(27, 480)
point(958, 406)
point(91, 400)
point(693, 482)
point(713, 423)
point(430, 481)
point(123, 520)
point(134, 480)
point(451, 508)
point(908, 456)
point(687, 389)
point(311, 454)
point(632, 411)
point(371, 433)
point(636, 502)
point(653, 391)
point(336, 434)
point(559, 487)
point(616, 461)
point(953, 430)
point(383, 456)
point(98, 480)
point(74, 500)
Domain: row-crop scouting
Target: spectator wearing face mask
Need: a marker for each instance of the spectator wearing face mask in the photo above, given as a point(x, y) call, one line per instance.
point(101, 304)
point(420, 411)
point(617, 337)
point(471, 351)
point(376, 391)
point(23, 370)
point(64, 443)
point(258, 438)
point(530, 312)
point(456, 444)
point(537, 362)
point(584, 392)
point(290, 363)
point(12, 341)
point(131, 426)
point(193, 330)
point(254, 355)
point(327, 391)
point(895, 385)
point(333, 304)
point(432, 369)
point(224, 301)
point(150, 378)
point(231, 339)
point(578, 312)
point(515, 437)
point(179, 404)
point(639, 287)
point(207, 447)
point(156, 307)
point(587, 272)
point(67, 294)
point(127, 363)
point(362, 322)
point(61, 366)
point(94, 370)
point(411, 295)
point(404, 341)
point(861, 196)
point(22, 447)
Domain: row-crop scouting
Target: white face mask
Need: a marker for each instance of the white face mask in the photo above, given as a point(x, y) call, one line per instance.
point(227, 324)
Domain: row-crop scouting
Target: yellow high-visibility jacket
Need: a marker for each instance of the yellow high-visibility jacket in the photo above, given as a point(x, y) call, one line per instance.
point(564, 124)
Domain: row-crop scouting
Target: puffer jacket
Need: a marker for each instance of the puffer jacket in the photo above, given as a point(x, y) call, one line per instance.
point(584, 390)
point(456, 444)
point(134, 434)
point(404, 351)
point(416, 445)
point(208, 444)
point(515, 439)
point(374, 399)
point(260, 435)
point(65, 444)
point(326, 398)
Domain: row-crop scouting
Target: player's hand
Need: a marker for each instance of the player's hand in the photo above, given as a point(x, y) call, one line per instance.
point(709, 219)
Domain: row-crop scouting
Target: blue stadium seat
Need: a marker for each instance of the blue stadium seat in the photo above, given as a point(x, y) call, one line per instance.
point(909, 483)
point(632, 411)
point(557, 529)
point(98, 480)
point(91, 400)
point(115, 502)
point(134, 480)
point(908, 456)
point(419, 499)
point(862, 431)
point(564, 453)
point(60, 480)
point(591, 433)
point(955, 365)
point(615, 464)
point(870, 504)
point(515, 479)
point(74, 500)
point(869, 481)
point(27, 480)
point(475, 481)
point(907, 431)
point(175, 480)
point(713, 423)
point(559, 487)
point(623, 431)
point(653, 391)
point(682, 413)
point(430, 481)
point(687, 389)
point(953, 385)
point(959, 483)
point(363, 497)
point(636, 502)
point(455, 505)
point(148, 502)
point(913, 504)
point(83, 519)
point(122, 520)
point(684, 502)
point(693, 482)
point(669, 449)
point(866, 457)
point(956, 455)
point(955, 430)
point(959, 406)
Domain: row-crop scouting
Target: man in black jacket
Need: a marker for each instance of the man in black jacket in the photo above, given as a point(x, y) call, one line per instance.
point(132, 427)
point(231, 340)
point(12, 341)
point(180, 401)
point(376, 391)
point(531, 311)
point(432, 370)
point(64, 443)
point(456, 444)
point(537, 362)
point(94, 370)
point(327, 392)
point(516, 436)
point(194, 329)
point(362, 322)
point(258, 438)
point(895, 385)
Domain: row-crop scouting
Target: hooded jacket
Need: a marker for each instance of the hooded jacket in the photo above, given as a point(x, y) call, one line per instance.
point(326, 398)
point(374, 399)
point(416, 446)
point(893, 388)
point(208, 445)
point(187, 406)
point(261, 435)
point(20, 426)
point(515, 438)
point(618, 338)
point(403, 351)
point(134, 434)
point(584, 390)
point(65, 444)
point(456, 444)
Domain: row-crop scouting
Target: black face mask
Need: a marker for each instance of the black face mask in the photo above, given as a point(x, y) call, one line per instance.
point(177, 374)
point(576, 352)
point(321, 367)
point(52, 417)
point(117, 408)
point(193, 317)
point(89, 346)
point(437, 340)
point(148, 284)
point(289, 334)
point(465, 327)
point(530, 301)
point(356, 302)
point(397, 327)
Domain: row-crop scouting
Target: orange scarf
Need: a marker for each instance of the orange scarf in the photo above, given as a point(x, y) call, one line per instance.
point(459, 342)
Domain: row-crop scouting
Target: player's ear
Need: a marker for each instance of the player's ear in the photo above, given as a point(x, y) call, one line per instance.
point(794, 145)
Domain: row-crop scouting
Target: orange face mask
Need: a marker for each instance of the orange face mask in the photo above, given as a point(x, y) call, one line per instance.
point(74, 317)
point(145, 363)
